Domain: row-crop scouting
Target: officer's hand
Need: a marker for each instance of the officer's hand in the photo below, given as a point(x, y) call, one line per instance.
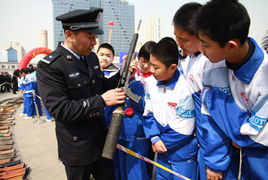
point(114, 97)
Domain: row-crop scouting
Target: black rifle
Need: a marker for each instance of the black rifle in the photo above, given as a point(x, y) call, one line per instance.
point(115, 125)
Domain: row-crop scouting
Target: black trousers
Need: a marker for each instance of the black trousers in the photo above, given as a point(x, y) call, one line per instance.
point(101, 170)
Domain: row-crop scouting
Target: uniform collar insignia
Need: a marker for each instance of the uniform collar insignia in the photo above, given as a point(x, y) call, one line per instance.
point(69, 57)
point(74, 75)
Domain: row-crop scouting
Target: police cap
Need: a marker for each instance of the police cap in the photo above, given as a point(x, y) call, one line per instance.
point(89, 20)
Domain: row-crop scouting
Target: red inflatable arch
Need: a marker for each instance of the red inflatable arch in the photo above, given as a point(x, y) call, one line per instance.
point(31, 54)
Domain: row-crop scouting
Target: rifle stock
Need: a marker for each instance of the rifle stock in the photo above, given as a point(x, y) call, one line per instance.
point(118, 114)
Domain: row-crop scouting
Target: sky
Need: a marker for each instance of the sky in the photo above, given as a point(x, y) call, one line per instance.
point(22, 20)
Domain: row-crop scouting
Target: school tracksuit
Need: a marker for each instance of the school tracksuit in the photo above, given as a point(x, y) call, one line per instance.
point(132, 134)
point(197, 68)
point(28, 84)
point(170, 117)
point(242, 112)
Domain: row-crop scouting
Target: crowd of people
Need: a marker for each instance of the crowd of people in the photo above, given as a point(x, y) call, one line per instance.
point(202, 110)
point(5, 82)
point(24, 81)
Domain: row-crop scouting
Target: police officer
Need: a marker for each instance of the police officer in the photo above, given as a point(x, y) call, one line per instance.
point(74, 91)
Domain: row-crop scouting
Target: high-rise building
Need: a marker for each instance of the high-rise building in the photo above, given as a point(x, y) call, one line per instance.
point(10, 55)
point(14, 52)
point(118, 11)
point(61, 7)
point(43, 38)
point(151, 29)
point(122, 14)
point(95, 3)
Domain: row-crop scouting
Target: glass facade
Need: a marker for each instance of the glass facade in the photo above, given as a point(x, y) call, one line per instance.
point(122, 14)
point(12, 55)
point(119, 11)
point(61, 7)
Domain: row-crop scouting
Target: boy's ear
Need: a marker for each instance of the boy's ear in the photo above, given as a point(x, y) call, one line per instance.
point(173, 67)
point(232, 44)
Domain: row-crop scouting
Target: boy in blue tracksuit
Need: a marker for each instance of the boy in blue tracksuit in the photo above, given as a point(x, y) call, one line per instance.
point(132, 136)
point(169, 114)
point(194, 68)
point(29, 84)
point(132, 132)
point(22, 75)
point(32, 71)
point(241, 111)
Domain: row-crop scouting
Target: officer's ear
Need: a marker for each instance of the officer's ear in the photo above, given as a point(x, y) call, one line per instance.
point(69, 35)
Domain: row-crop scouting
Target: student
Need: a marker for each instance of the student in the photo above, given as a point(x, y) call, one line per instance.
point(105, 54)
point(144, 66)
point(193, 67)
point(169, 114)
point(22, 74)
point(36, 98)
point(29, 83)
point(132, 133)
point(240, 111)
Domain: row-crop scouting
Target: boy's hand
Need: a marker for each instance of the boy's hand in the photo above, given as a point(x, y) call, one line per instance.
point(159, 147)
point(211, 175)
point(133, 65)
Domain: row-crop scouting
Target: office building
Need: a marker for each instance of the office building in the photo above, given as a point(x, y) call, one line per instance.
point(151, 29)
point(43, 39)
point(61, 7)
point(118, 11)
point(122, 14)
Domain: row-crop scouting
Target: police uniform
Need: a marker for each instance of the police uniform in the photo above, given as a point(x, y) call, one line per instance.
point(71, 91)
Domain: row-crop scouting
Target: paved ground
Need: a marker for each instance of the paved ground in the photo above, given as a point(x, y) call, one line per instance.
point(36, 145)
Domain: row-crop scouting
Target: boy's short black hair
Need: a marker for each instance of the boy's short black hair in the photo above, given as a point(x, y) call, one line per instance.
point(184, 16)
point(16, 72)
point(223, 20)
point(146, 49)
point(166, 50)
point(24, 70)
point(107, 46)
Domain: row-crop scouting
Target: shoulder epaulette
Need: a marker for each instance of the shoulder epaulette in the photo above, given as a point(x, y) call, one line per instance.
point(51, 57)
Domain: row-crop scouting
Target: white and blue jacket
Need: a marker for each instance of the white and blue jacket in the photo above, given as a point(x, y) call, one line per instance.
point(132, 126)
point(170, 117)
point(29, 83)
point(242, 114)
point(199, 71)
point(110, 71)
point(20, 80)
point(214, 143)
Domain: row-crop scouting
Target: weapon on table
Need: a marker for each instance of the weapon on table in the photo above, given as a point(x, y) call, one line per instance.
point(115, 125)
